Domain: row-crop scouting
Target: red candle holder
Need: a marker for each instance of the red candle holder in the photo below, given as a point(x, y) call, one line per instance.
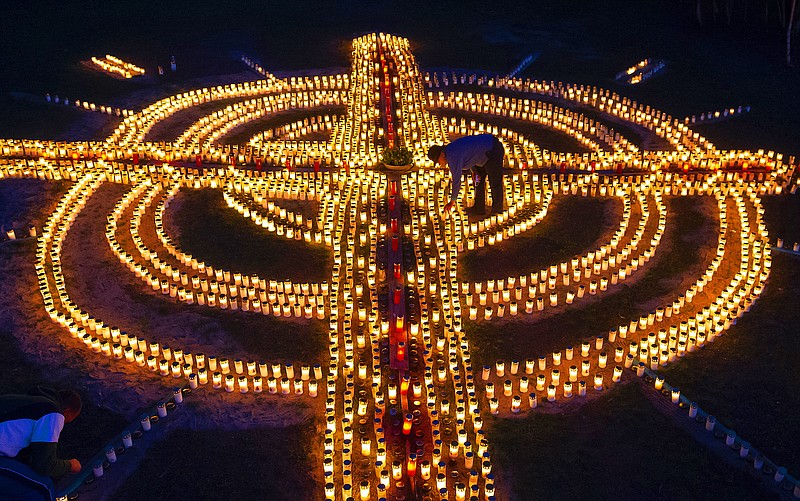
point(411, 465)
point(407, 423)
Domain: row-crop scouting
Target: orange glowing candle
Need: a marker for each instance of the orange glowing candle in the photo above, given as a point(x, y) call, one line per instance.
point(411, 465)
point(407, 424)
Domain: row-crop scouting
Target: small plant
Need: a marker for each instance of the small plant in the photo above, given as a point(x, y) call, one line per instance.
point(397, 156)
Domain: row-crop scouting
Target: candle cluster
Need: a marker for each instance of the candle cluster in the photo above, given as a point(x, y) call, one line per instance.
point(169, 362)
point(259, 69)
point(667, 333)
point(402, 404)
point(384, 78)
point(717, 115)
point(736, 444)
point(582, 276)
point(87, 106)
point(641, 71)
point(690, 151)
point(117, 66)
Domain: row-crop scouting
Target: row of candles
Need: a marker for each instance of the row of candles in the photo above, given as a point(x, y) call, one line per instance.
point(619, 258)
point(716, 115)
point(641, 71)
point(681, 331)
point(297, 129)
point(87, 106)
point(117, 66)
point(133, 129)
point(110, 341)
point(422, 275)
point(743, 449)
point(110, 453)
point(260, 70)
point(206, 131)
point(569, 122)
point(523, 153)
point(690, 148)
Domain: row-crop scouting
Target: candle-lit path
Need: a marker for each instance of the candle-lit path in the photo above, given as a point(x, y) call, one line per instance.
point(403, 402)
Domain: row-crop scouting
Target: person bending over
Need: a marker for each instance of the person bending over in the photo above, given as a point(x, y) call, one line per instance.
point(30, 426)
point(483, 154)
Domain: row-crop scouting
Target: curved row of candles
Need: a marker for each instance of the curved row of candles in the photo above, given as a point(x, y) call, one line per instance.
point(296, 130)
point(676, 133)
point(133, 129)
point(111, 341)
point(588, 268)
point(117, 66)
point(690, 149)
point(585, 130)
point(775, 474)
point(449, 352)
point(206, 131)
point(673, 330)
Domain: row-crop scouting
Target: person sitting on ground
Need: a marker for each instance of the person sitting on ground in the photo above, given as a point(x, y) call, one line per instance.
point(30, 426)
point(483, 154)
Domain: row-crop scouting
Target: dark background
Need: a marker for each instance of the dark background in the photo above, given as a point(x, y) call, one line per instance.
point(711, 66)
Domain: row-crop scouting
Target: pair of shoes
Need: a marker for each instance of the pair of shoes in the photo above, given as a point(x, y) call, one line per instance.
point(496, 212)
point(475, 211)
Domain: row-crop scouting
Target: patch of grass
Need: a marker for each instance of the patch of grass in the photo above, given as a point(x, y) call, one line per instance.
point(616, 447)
point(24, 120)
point(210, 231)
point(262, 463)
point(748, 378)
point(555, 239)
point(21, 199)
point(522, 339)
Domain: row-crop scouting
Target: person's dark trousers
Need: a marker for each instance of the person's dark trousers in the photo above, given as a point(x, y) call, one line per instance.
point(19, 482)
point(493, 169)
point(480, 189)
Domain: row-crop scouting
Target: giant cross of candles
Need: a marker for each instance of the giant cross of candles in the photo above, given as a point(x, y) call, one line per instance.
point(403, 404)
